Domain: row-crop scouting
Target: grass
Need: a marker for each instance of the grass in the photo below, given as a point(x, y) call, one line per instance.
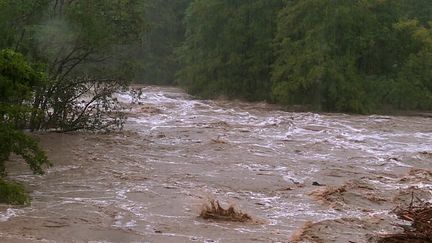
point(13, 193)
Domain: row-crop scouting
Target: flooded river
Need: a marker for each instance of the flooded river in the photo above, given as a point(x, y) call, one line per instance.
point(306, 177)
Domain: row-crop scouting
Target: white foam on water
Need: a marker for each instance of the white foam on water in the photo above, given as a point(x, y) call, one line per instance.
point(294, 148)
point(9, 213)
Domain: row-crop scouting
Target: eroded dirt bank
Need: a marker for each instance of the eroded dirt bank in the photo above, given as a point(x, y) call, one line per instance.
point(147, 184)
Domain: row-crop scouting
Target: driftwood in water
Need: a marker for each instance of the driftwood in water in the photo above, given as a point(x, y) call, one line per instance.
point(213, 210)
point(420, 216)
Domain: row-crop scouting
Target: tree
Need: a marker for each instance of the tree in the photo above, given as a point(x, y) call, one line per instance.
point(228, 48)
point(78, 53)
point(413, 89)
point(17, 80)
point(16, 20)
point(353, 56)
point(156, 52)
point(85, 47)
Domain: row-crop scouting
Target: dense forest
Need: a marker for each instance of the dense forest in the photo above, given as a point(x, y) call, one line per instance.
point(357, 56)
point(329, 55)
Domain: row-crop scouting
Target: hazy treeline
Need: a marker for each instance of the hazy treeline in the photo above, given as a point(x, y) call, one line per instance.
point(157, 58)
point(331, 55)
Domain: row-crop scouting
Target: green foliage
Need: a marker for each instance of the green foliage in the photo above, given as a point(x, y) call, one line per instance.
point(14, 141)
point(314, 44)
point(72, 37)
point(17, 17)
point(91, 38)
point(334, 55)
point(17, 80)
point(156, 52)
point(414, 87)
point(87, 50)
point(13, 193)
point(352, 56)
point(228, 49)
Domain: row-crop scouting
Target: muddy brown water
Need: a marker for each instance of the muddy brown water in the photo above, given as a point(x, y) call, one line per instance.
point(147, 183)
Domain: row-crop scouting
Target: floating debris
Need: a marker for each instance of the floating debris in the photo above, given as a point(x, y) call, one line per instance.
point(219, 140)
point(148, 109)
point(353, 194)
point(419, 213)
point(301, 234)
point(315, 183)
point(416, 175)
point(213, 210)
point(330, 195)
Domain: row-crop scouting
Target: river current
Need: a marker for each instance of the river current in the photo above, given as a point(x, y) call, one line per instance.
point(307, 177)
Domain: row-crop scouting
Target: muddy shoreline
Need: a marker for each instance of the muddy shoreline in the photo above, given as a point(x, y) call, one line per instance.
point(148, 183)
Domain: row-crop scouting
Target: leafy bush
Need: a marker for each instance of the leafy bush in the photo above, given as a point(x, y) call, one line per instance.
point(17, 81)
point(13, 193)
